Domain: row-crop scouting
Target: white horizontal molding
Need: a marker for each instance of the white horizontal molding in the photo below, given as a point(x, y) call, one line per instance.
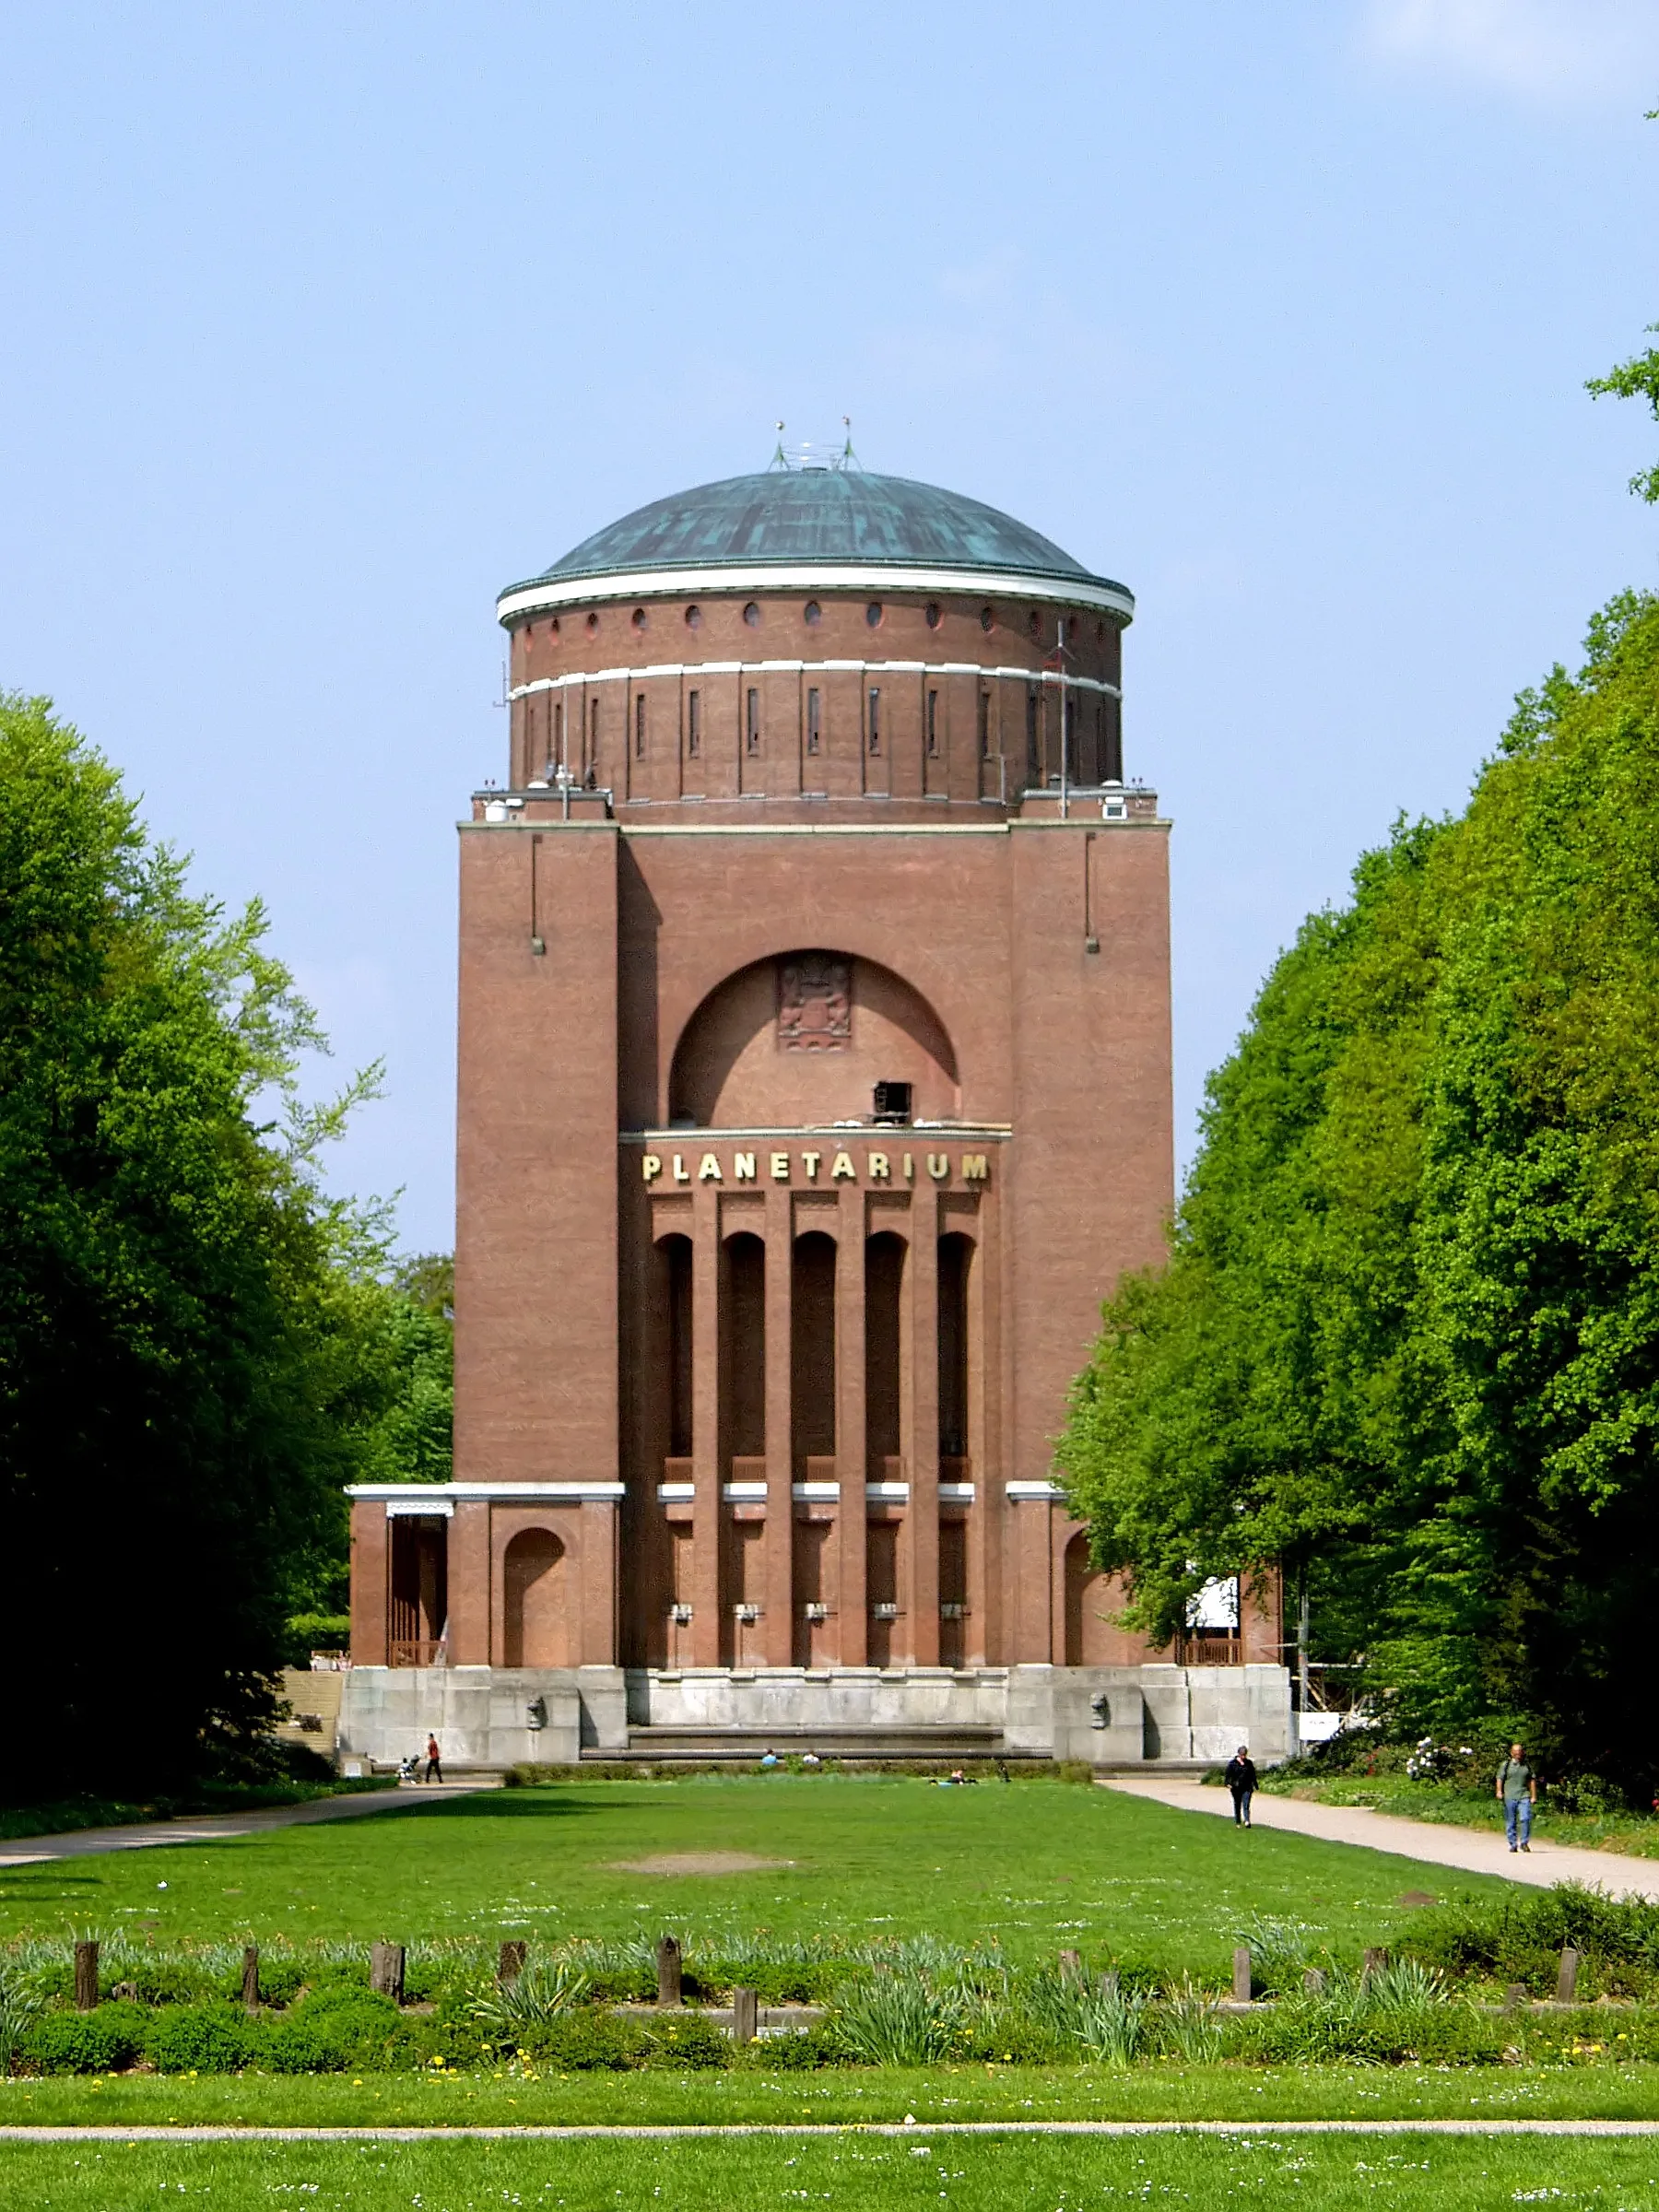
point(675, 1493)
point(1033, 1489)
point(743, 1493)
point(815, 1493)
point(549, 592)
point(678, 670)
point(416, 1495)
point(411, 1508)
point(887, 1493)
point(956, 1493)
point(837, 1133)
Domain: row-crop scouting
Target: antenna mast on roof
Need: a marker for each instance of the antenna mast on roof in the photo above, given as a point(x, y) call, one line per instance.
point(779, 458)
point(849, 459)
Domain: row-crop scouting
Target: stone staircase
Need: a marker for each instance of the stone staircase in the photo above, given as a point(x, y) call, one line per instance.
point(664, 1744)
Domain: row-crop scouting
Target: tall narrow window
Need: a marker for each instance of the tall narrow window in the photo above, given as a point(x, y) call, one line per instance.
point(984, 725)
point(1032, 763)
point(751, 722)
point(640, 727)
point(875, 719)
point(555, 736)
point(593, 759)
point(933, 726)
point(815, 724)
point(693, 724)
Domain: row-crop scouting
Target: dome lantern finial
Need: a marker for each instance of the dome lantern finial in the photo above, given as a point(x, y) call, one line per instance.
point(779, 458)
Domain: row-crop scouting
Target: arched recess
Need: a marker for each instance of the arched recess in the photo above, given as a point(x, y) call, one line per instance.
point(1091, 1638)
point(800, 1039)
point(534, 1611)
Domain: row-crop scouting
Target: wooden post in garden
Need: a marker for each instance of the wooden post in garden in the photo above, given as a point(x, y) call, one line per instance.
point(386, 1970)
point(86, 1977)
point(1567, 1979)
point(1109, 1983)
point(509, 1964)
point(1071, 1964)
point(1242, 1977)
point(1313, 1982)
point(250, 1980)
point(1376, 1960)
point(668, 1971)
point(746, 2016)
point(1515, 1996)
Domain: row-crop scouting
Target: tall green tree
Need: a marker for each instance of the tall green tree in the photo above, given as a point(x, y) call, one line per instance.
point(184, 1386)
point(1408, 1337)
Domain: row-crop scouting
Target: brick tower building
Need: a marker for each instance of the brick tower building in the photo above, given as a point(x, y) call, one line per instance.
point(814, 1090)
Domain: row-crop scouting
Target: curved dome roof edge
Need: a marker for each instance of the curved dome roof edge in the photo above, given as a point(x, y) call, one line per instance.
point(782, 518)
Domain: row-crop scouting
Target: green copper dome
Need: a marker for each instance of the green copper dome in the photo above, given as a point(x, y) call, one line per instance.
point(791, 517)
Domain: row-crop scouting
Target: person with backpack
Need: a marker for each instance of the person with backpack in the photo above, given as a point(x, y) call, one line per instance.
point(1241, 1779)
point(1517, 1792)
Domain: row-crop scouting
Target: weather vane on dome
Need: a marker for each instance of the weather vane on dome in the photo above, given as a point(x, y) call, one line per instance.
point(816, 453)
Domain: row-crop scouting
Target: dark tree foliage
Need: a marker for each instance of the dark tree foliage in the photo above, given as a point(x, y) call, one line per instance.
point(188, 1358)
point(1408, 1337)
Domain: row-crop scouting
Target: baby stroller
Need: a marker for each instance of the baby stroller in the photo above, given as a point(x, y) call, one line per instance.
point(410, 1769)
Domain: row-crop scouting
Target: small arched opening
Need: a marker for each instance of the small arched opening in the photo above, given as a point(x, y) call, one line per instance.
point(534, 1611)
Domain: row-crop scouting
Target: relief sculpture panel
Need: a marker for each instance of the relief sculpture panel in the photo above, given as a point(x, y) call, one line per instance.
point(815, 1003)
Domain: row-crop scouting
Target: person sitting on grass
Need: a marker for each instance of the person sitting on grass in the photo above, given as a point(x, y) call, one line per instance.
point(1241, 1779)
point(1517, 1792)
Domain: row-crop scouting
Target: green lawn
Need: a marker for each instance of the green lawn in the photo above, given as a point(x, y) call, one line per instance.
point(1035, 1865)
point(853, 2097)
point(1632, 1834)
point(1010, 2173)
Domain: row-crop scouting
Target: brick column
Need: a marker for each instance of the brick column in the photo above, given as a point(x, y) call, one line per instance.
point(705, 1425)
point(852, 1603)
point(922, 1431)
point(370, 1594)
point(469, 1583)
point(598, 1643)
point(778, 1578)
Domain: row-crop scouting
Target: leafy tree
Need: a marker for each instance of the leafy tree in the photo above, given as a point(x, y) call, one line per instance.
point(1408, 1337)
point(185, 1319)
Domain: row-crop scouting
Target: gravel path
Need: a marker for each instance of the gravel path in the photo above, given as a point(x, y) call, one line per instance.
point(213, 1827)
point(1470, 1850)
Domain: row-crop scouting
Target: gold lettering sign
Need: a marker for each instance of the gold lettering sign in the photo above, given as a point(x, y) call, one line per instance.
point(878, 1167)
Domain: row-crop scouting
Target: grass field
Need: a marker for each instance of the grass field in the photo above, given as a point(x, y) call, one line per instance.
point(1033, 1865)
point(861, 2098)
point(1013, 2174)
point(1634, 1835)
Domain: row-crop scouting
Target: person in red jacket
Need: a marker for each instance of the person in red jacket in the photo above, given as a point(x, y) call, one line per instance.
point(434, 1761)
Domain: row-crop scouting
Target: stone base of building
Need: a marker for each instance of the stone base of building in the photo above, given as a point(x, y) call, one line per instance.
point(492, 1717)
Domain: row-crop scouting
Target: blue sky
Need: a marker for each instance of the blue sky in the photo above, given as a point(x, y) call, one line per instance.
point(323, 324)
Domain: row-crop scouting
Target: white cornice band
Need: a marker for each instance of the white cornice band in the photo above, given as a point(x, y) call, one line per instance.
point(538, 597)
point(679, 670)
point(430, 1497)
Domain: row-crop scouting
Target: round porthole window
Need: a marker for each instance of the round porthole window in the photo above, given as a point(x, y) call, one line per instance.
point(592, 623)
point(813, 611)
point(752, 615)
point(987, 618)
point(872, 613)
point(934, 617)
point(639, 617)
point(694, 617)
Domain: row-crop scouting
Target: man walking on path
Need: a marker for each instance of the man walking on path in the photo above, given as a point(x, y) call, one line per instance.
point(1517, 1791)
point(434, 1761)
point(1241, 1779)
